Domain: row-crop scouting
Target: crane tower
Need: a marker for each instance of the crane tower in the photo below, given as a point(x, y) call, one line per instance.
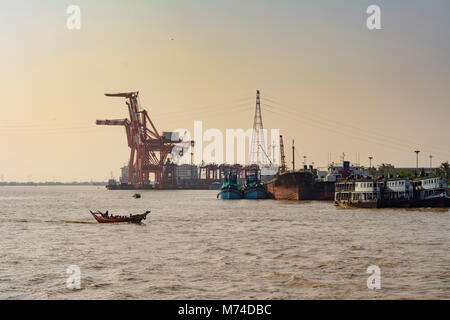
point(149, 149)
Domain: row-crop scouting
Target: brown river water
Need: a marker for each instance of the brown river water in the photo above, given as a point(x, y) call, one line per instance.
point(193, 246)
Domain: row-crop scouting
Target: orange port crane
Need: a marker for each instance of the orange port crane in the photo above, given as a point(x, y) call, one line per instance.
point(149, 150)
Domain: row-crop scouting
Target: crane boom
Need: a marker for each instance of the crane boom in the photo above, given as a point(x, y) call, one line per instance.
point(149, 150)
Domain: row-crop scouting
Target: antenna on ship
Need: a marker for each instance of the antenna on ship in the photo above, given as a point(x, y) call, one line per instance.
point(343, 157)
point(257, 150)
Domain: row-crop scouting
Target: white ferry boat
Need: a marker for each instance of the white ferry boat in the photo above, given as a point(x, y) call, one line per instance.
point(393, 193)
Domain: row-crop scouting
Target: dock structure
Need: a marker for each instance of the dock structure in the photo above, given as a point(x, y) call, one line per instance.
point(187, 176)
point(153, 156)
point(149, 149)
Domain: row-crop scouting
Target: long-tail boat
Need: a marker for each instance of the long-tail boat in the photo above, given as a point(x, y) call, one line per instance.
point(106, 218)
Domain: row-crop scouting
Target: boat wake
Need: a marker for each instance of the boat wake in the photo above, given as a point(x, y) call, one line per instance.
point(48, 221)
point(74, 221)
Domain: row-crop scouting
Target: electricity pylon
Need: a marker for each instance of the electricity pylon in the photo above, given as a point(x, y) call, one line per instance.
point(257, 148)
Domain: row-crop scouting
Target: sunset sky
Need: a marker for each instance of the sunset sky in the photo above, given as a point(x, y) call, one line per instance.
point(325, 79)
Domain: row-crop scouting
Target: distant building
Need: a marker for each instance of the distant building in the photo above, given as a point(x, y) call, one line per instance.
point(427, 170)
point(387, 166)
point(336, 173)
point(124, 175)
point(187, 172)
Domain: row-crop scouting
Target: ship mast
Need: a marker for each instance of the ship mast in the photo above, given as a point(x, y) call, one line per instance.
point(283, 157)
point(293, 156)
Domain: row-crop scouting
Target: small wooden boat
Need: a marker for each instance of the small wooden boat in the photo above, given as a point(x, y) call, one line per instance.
point(106, 218)
point(137, 196)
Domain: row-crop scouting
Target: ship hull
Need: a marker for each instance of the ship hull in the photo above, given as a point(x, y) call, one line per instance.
point(375, 204)
point(357, 204)
point(300, 186)
point(255, 193)
point(229, 194)
point(394, 203)
point(437, 202)
point(125, 186)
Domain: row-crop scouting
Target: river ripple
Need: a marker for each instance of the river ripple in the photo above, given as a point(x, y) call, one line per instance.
point(194, 246)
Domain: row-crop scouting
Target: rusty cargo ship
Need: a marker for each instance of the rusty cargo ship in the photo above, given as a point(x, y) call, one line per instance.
point(300, 185)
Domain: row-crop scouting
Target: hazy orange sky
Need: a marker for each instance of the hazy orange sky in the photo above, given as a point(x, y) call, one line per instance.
point(326, 80)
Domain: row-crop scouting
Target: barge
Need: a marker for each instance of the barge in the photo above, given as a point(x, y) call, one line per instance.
point(300, 185)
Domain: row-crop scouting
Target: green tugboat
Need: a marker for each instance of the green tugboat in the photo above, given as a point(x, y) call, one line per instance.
point(253, 187)
point(230, 190)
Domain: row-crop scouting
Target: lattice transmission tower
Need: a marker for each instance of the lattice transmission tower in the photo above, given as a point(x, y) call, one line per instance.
point(258, 153)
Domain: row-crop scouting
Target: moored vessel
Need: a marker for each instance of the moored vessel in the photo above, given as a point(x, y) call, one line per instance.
point(113, 185)
point(300, 185)
point(430, 192)
point(230, 190)
point(424, 192)
point(360, 194)
point(253, 188)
